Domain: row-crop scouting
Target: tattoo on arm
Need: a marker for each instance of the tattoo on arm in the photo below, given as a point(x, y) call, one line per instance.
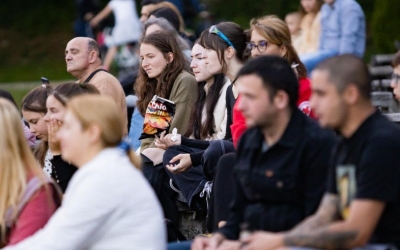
point(327, 213)
point(322, 239)
point(314, 232)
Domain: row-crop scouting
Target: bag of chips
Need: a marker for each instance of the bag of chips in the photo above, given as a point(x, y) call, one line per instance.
point(158, 117)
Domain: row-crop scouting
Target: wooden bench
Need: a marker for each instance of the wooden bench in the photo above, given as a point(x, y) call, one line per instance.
point(380, 72)
point(381, 60)
point(385, 102)
point(381, 85)
point(395, 117)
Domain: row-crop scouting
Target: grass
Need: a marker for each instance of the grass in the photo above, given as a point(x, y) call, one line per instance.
point(20, 89)
point(54, 70)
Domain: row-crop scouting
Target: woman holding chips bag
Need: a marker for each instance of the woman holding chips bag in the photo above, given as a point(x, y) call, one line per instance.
point(164, 72)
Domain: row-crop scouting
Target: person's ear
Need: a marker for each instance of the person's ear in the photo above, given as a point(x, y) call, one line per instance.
point(351, 94)
point(229, 52)
point(283, 50)
point(94, 133)
point(170, 57)
point(92, 56)
point(281, 100)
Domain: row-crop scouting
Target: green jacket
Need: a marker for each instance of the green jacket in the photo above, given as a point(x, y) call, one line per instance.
point(184, 95)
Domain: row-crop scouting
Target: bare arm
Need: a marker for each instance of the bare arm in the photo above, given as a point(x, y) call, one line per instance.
point(327, 212)
point(355, 231)
point(99, 17)
point(324, 230)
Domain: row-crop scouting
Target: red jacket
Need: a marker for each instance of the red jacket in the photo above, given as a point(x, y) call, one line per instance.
point(303, 103)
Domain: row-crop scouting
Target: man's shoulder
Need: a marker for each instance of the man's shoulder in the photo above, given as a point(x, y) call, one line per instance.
point(312, 131)
point(350, 4)
point(380, 127)
point(104, 76)
point(185, 80)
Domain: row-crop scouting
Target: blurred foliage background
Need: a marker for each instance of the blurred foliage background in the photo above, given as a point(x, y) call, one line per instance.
point(33, 34)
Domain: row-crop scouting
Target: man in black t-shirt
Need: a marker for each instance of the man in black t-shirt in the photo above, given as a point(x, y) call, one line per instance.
point(362, 205)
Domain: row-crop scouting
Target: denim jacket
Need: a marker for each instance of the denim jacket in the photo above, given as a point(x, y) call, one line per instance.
point(343, 28)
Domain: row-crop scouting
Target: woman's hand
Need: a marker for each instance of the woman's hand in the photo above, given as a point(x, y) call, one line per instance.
point(184, 163)
point(54, 144)
point(165, 141)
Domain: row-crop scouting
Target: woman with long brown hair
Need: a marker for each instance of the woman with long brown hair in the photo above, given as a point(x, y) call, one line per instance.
point(33, 108)
point(164, 72)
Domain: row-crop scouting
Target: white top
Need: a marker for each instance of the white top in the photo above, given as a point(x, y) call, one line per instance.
point(220, 116)
point(108, 205)
point(48, 167)
point(127, 25)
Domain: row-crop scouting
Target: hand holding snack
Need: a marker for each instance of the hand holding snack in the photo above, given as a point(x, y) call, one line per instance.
point(165, 141)
point(158, 117)
point(172, 139)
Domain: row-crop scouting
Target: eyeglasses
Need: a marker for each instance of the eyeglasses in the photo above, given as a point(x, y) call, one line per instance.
point(395, 78)
point(261, 46)
point(214, 30)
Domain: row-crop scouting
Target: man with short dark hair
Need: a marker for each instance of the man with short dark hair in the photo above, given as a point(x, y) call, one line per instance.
point(83, 59)
point(362, 205)
point(395, 83)
point(281, 162)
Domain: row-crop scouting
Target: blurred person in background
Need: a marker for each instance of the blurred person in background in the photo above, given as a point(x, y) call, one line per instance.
point(86, 10)
point(30, 137)
point(102, 208)
point(395, 83)
point(293, 20)
point(310, 26)
point(126, 29)
point(28, 197)
point(343, 31)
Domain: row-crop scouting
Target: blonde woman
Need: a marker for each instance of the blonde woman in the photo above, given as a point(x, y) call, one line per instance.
point(310, 26)
point(108, 204)
point(27, 196)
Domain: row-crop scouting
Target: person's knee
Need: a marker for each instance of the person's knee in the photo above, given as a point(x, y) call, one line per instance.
point(154, 154)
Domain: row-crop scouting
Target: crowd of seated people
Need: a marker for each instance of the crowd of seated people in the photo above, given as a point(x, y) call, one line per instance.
point(275, 140)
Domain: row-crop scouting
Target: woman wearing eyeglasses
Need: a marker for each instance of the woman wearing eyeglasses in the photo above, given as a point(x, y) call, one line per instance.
point(395, 83)
point(270, 36)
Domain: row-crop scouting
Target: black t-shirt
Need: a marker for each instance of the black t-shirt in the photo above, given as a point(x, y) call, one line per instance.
point(367, 166)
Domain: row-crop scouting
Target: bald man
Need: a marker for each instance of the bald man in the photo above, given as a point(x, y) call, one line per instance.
point(83, 59)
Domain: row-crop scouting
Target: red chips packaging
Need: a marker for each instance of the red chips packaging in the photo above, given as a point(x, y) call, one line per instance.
point(158, 117)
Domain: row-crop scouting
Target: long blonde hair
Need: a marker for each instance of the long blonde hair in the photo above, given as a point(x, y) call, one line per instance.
point(16, 162)
point(103, 112)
